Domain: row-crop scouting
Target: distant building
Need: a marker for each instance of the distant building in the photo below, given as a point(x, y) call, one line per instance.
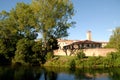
point(64, 42)
point(81, 44)
point(89, 47)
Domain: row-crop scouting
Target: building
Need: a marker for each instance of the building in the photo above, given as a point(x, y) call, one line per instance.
point(64, 42)
point(80, 44)
point(86, 44)
point(89, 47)
point(104, 44)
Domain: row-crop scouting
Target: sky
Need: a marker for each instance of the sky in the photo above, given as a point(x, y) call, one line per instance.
point(98, 16)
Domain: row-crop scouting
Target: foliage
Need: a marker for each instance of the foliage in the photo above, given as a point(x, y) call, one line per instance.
point(80, 54)
point(39, 51)
point(52, 44)
point(7, 50)
point(23, 50)
point(114, 41)
point(52, 19)
point(28, 51)
point(49, 55)
point(15, 25)
point(72, 64)
point(3, 48)
point(111, 60)
point(52, 16)
point(20, 27)
point(37, 47)
point(19, 59)
point(24, 21)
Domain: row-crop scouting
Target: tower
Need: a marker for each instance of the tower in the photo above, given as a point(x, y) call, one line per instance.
point(89, 35)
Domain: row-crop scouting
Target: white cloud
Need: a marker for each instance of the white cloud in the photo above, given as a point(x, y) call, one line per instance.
point(110, 30)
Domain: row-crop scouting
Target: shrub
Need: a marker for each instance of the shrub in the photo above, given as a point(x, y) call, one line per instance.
point(19, 58)
point(114, 58)
point(72, 64)
point(80, 55)
point(49, 56)
point(23, 51)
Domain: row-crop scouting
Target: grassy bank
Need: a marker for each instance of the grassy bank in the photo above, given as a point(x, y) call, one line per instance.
point(59, 61)
point(72, 61)
point(112, 60)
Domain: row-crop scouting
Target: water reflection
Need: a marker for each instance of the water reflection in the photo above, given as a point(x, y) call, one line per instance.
point(53, 73)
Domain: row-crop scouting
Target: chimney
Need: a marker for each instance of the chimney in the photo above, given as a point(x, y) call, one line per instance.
point(89, 36)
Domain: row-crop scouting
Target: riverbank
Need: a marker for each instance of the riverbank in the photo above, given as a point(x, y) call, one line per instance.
point(111, 60)
point(78, 61)
point(72, 62)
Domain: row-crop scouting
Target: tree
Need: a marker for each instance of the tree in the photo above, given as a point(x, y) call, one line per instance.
point(24, 51)
point(114, 41)
point(20, 26)
point(24, 21)
point(52, 17)
point(7, 40)
point(38, 50)
point(15, 25)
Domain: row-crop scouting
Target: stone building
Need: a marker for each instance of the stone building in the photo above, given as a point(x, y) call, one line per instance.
point(90, 48)
point(86, 44)
point(81, 44)
point(64, 42)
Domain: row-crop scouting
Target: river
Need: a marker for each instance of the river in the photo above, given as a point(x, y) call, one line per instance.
point(55, 73)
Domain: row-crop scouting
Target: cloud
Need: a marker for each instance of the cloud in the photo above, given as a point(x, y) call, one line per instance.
point(110, 30)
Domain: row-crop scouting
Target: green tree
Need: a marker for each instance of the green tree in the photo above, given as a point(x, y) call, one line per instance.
point(52, 18)
point(20, 26)
point(15, 25)
point(114, 41)
point(24, 51)
point(7, 40)
point(25, 21)
point(38, 50)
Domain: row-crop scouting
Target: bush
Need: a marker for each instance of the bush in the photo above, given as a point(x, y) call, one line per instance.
point(49, 56)
point(72, 64)
point(19, 58)
point(80, 55)
point(113, 59)
point(23, 51)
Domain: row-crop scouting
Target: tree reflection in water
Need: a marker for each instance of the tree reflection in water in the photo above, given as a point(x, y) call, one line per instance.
point(37, 73)
point(50, 75)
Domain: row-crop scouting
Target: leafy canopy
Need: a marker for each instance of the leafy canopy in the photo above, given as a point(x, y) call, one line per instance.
point(114, 41)
point(20, 27)
point(52, 17)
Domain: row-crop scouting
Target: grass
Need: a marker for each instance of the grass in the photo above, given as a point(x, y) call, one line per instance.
point(60, 61)
point(112, 60)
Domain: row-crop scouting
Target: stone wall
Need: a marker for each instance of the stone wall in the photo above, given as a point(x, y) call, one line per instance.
point(88, 52)
point(98, 51)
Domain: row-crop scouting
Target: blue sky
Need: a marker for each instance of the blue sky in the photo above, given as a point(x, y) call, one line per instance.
point(99, 16)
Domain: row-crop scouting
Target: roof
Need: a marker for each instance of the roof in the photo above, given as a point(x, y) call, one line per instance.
point(68, 41)
point(87, 42)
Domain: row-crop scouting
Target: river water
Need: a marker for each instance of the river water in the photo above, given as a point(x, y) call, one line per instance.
point(55, 73)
